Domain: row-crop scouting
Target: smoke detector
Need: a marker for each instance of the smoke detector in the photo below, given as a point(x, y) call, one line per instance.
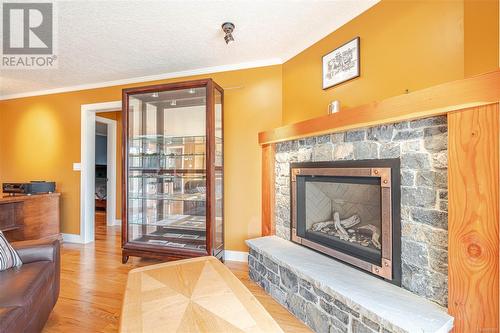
point(228, 29)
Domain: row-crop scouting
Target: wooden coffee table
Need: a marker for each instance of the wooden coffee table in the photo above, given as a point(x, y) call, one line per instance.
point(193, 295)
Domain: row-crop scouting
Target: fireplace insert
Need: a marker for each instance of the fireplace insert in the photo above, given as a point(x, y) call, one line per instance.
point(350, 210)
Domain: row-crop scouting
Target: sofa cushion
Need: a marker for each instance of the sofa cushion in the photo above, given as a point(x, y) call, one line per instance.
point(27, 285)
point(8, 256)
point(11, 319)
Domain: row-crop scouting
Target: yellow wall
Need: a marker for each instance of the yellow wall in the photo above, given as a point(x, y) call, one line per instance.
point(404, 45)
point(480, 36)
point(41, 137)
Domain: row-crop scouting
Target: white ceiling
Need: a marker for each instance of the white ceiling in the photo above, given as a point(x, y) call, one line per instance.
point(102, 43)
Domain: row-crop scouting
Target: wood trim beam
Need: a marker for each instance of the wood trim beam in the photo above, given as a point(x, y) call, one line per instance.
point(473, 182)
point(448, 97)
point(268, 225)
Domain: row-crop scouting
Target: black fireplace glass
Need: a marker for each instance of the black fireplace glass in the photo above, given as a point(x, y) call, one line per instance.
point(342, 213)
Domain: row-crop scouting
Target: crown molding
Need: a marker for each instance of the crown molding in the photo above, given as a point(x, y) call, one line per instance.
point(171, 75)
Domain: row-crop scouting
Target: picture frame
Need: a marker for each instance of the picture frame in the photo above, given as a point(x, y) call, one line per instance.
point(341, 64)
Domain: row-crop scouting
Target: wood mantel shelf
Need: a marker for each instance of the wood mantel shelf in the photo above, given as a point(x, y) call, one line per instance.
point(476, 91)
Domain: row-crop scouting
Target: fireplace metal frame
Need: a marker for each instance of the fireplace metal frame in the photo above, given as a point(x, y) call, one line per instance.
point(390, 266)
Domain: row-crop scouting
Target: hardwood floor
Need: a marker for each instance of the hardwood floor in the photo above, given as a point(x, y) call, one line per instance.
point(100, 219)
point(93, 281)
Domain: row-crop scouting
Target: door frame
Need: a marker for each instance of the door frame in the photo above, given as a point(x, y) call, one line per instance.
point(87, 172)
point(111, 166)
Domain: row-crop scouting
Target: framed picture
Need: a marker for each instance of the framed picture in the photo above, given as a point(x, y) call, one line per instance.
point(342, 64)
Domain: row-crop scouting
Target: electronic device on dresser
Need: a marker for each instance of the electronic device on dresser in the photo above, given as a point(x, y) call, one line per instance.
point(33, 187)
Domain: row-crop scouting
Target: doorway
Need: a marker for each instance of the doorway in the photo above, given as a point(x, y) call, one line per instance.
point(91, 113)
point(105, 169)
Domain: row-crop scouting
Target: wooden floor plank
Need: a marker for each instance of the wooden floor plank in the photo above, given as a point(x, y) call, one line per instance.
point(93, 280)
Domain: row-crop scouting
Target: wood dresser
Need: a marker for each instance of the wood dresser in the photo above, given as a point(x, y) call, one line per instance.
point(30, 217)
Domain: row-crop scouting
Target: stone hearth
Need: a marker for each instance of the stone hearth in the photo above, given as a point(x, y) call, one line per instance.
point(331, 297)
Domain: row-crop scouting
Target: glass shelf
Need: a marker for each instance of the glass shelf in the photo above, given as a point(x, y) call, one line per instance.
point(172, 172)
point(172, 140)
point(167, 170)
point(164, 155)
point(177, 221)
point(149, 240)
point(166, 139)
point(168, 177)
point(178, 197)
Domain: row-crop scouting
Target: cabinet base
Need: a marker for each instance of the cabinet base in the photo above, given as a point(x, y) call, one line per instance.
point(126, 253)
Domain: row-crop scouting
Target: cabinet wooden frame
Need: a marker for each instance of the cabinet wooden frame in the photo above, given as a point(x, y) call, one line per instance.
point(130, 248)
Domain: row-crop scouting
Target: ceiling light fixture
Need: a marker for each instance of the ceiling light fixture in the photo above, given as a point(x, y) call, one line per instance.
point(228, 29)
point(154, 95)
point(173, 102)
point(191, 91)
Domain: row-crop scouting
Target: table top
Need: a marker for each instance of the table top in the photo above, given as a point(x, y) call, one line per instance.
point(5, 198)
point(192, 295)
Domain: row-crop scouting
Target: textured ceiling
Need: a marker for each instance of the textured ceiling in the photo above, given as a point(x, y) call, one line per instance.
point(103, 41)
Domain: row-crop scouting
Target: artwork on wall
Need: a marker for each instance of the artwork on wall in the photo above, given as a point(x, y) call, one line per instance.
point(342, 64)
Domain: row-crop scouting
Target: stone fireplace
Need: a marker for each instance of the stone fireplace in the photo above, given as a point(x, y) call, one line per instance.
point(329, 200)
point(349, 210)
point(421, 147)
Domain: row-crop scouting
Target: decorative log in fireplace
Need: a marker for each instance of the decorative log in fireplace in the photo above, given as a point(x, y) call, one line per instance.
point(350, 210)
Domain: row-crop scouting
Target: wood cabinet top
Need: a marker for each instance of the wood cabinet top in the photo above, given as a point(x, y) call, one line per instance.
point(16, 198)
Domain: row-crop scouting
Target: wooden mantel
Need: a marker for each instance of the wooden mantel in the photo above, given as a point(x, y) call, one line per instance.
point(472, 108)
point(438, 100)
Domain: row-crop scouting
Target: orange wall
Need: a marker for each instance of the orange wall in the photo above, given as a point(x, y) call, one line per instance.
point(481, 36)
point(404, 45)
point(117, 115)
point(41, 137)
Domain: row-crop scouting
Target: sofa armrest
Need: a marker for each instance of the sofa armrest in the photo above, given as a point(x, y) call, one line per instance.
point(38, 250)
point(47, 250)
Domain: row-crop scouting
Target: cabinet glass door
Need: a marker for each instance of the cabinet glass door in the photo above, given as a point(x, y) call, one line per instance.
point(167, 168)
point(219, 174)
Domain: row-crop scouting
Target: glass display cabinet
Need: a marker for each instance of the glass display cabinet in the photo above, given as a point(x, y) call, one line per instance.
point(173, 205)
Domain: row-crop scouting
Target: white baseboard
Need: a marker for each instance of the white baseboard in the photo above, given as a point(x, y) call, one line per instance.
point(115, 222)
point(72, 238)
point(240, 256)
point(236, 256)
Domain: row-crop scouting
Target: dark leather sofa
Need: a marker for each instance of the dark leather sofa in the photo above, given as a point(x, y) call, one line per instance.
point(28, 293)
